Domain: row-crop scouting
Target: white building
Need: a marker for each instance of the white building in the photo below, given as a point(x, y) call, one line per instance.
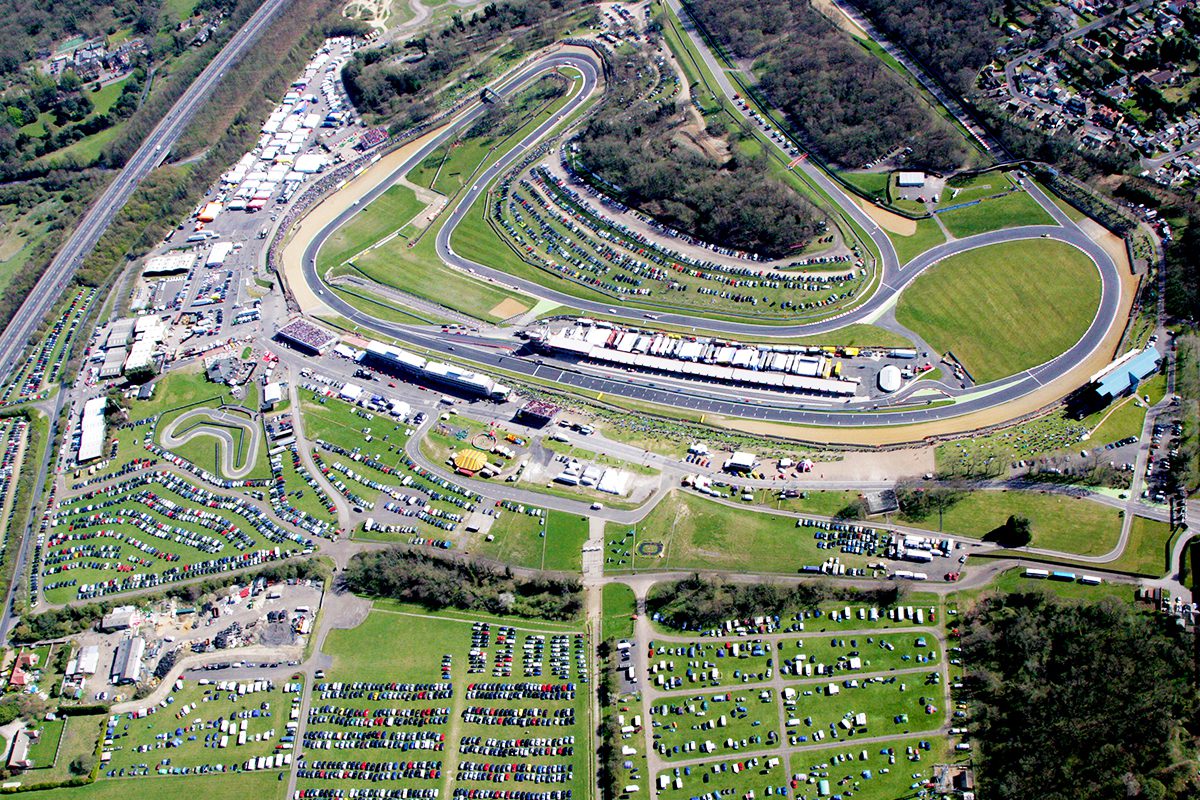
point(91, 429)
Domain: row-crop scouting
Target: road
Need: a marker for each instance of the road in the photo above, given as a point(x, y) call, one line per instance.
point(698, 397)
point(104, 209)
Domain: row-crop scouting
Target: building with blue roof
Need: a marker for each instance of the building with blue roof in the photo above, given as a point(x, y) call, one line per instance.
point(1127, 374)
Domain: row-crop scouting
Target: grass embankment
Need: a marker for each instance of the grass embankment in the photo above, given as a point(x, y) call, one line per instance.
point(388, 213)
point(696, 533)
point(1011, 210)
point(927, 235)
point(619, 607)
point(1147, 552)
point(1067, 524)
point(985, 305)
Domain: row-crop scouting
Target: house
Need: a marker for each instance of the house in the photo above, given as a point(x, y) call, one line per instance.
point(25, 664)
point(19, 758)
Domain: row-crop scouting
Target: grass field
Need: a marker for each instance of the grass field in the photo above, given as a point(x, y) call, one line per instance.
point(389, 212)
point(178, 10)
point(871, 183)
point(80, 737)
point(976, 187)
point(826, 503)
point(1068, 524)
point(703, 534)
point(259, 785)
point(982, 305)
point(927, 235)
point(419, 271)
point(519, 540)
point(619, 605)
point(42, 752)
point(1010, 211)
point(180, 389)
point(1146, 553)
point(106, 98)
point(207, 451)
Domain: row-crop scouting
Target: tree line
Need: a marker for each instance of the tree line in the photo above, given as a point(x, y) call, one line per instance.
point(437, 582)
point(955, 38)
point(843, 100)
point(394, 84)
point(699, 602)
point(640, 152)
point(1080, 701)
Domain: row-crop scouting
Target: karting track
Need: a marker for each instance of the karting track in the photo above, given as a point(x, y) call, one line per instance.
point(200, 422)
point(783, 408)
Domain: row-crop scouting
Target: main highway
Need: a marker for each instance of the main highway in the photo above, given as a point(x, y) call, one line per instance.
point(782, 408)
point(100, 214)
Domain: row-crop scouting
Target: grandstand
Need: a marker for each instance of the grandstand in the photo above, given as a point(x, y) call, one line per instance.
point(404, 363)
point(537, 413)
point(305, 336)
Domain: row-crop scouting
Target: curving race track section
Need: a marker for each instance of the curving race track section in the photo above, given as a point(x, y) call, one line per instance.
point(893, 278)
point(215, 424)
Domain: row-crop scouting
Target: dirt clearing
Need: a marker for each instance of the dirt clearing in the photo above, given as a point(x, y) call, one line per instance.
point(893, 223)
point(508, 308)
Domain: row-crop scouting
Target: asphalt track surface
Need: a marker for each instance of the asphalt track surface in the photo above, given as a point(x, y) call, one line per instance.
point(783, 408)
point(199, 423)
point(101, 212)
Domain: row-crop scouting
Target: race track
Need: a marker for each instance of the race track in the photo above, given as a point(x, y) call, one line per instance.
point(198, 423)
point(1066, 371)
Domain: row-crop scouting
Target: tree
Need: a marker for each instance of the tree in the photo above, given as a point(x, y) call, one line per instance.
point(1087, 701)
point(81, 764)
point(855, 509)
point(1015, 532)
point(1018, 531)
